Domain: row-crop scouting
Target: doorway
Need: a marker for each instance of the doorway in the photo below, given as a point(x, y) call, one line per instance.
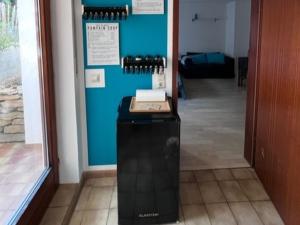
point(214, 42)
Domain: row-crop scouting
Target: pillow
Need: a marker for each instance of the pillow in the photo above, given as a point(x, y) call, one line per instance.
point(199, 59)
point(184, 59)
point(216, 58)
point(194, 53)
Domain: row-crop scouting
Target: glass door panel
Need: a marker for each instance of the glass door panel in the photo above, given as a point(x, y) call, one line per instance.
point(23, 150)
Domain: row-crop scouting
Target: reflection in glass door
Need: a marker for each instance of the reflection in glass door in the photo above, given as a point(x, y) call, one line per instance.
point(23, 152)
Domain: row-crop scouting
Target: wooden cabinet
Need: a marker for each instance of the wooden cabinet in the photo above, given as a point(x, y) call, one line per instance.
point(277, 155)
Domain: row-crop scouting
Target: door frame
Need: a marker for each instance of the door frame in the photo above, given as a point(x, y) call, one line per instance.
point(175, 55)
point(39, 203)
point(253, 79)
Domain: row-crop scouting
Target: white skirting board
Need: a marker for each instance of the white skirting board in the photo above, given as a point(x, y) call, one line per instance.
point(102, 168)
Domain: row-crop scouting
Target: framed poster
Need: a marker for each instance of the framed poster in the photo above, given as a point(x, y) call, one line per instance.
point(103, 46)
point(148, 7)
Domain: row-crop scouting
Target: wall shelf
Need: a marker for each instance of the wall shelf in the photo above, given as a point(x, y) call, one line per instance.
point(144, 65)
point(105, 13)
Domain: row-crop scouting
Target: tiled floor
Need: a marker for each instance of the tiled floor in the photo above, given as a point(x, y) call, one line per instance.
point(20, 167)
point(60, 204)
point(208, 197)
point(212, 124)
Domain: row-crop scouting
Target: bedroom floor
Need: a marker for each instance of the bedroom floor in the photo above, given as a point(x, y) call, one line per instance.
point(212, 127)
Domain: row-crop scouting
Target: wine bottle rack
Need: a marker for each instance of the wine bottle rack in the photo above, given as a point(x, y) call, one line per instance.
point(144, 65)
point(105, 13)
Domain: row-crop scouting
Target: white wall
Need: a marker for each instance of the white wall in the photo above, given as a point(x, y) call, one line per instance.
point(229, 35)
point(80, 85)
point(242, 27)
point(70, 87)
point(230, 29)
point(30, 72)
point(238, 29)
point(65, 89)
point(202, 35)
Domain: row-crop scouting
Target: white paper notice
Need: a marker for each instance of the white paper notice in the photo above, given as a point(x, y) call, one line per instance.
point(158, 81)
point(102, 44)
point(148, 7)
point(94, 78)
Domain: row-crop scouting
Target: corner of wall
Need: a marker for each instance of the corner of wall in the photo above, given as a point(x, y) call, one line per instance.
point(80, 82)
point(65, 87)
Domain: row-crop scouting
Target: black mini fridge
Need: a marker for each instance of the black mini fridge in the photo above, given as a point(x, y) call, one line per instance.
point(148, 154)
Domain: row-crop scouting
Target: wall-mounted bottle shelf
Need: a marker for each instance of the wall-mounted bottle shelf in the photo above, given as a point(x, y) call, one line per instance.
point(144, 65)
point(105, 13)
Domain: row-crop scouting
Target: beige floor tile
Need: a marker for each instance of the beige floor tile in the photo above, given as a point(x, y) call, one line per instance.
point(220, 214)
point(5, 216)
point(253, 173)
point(63, 196)
point(83, 198)
point(205, 175)
point(18, 200)
point(114, 199)
point(12, 189)
point(76, 218)
point(254, 190)
point(245, 214)
point(242, 173)
point(267, 213)
point(211, 192)
point(95, 217)
point(212, 125)
point(195, 215)
point(99, 198)
point(101, 182)
point(190, 194)
point(113, 217)
point(54, 216)
point(223, 174)
point(232, 191)
point(2, 213)
point(187, 176)
point(6, 202)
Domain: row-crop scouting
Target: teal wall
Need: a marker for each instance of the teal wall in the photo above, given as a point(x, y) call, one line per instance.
point(139, 35)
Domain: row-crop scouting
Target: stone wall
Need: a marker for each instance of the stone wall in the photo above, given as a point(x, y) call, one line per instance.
point(11, 111)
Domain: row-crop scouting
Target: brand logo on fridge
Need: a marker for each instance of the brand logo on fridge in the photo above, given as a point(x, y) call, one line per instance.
point(148, 215)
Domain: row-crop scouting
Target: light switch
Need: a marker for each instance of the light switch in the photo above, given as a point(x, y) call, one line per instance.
point(95, 78)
